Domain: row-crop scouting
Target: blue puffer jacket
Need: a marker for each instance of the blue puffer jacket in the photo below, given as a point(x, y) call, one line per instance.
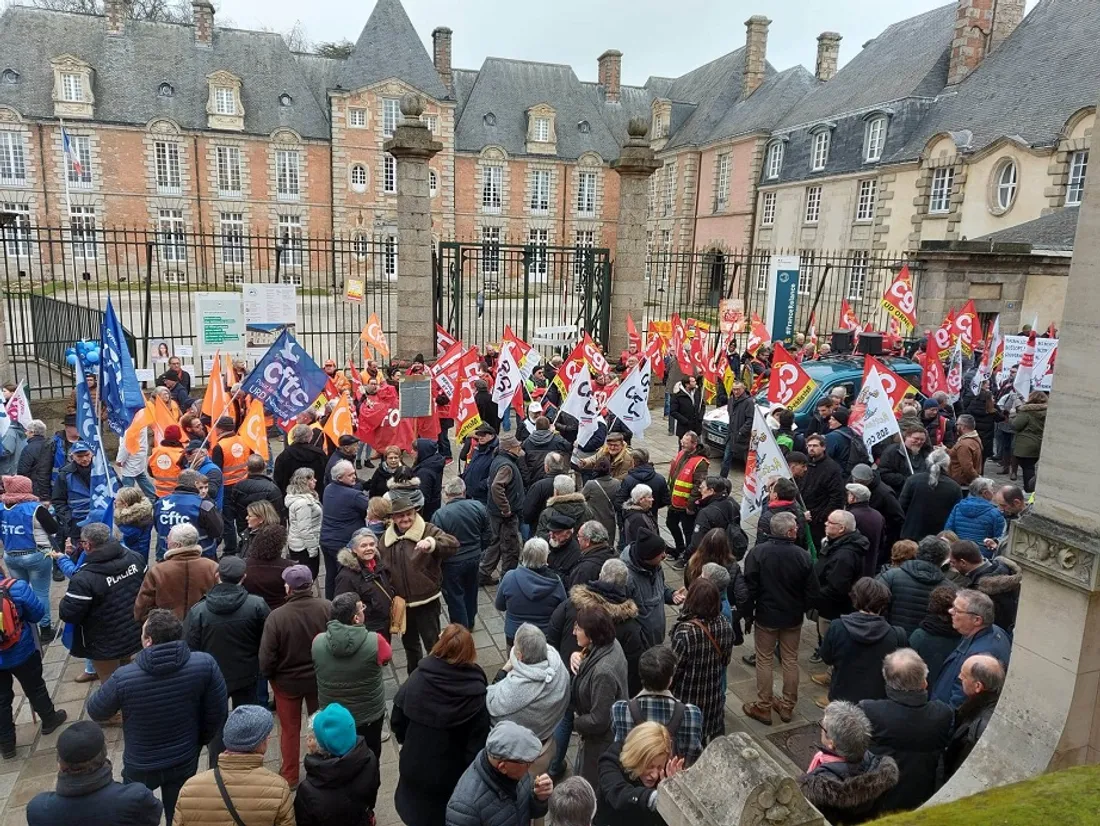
point(137, 539)
point(343, 512)
point(31, 611)
point(173, 700)
point(94, 799)
point(483, 797)
point(976, 519)
point(529, 595)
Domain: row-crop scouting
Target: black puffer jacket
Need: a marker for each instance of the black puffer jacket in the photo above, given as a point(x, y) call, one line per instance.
point(839, 564)
point(536, 447)
point(257, 488)
point(373, 587)
point(855, 646)
point(300, 455)
point(228, 624)
point(909, 587)
point(429, 470)
point(716, 512)
point(36, 463)
point(100, 603)
point(338, 790)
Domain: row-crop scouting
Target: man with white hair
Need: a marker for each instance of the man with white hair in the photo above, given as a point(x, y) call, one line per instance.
point(573, 803)
point(839, 564)
point(36, 460)
point(909, 727)
point(869, 522)
point(595, 548)
point(467, 520)
point(972, 616)
point(179, 580)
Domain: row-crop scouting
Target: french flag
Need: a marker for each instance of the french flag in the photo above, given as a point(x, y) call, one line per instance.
point(70, 152)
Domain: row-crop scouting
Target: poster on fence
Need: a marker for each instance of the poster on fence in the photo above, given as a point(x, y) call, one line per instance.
point(269, 309)
point(782, 300)
point(1014, 349)
point(219, 324)
point(731, 316)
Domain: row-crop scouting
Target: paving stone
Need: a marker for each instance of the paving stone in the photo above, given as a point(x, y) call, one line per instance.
point(24, 790)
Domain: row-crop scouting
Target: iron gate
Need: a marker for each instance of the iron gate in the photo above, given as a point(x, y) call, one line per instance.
point(480, 287)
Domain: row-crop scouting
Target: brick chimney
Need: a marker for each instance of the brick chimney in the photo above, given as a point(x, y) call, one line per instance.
point(828, 50)
point(756, 53)
point(116, 11)
point(611, 73)
point(441, 53)
point(202, 17)
point(1007, 15)
point(980, 27)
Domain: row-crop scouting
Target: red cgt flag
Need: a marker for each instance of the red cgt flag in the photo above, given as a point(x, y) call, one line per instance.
point(789, 385)
point(933, 379)
point(758, 335)
point(894, 385)
point(965, 327)
point(900, 301)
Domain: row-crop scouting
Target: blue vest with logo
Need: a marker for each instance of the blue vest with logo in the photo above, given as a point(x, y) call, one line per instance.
point(204, 470)
point(60, 455)
point(179, 509)
point(80, 498)
point(17, 527)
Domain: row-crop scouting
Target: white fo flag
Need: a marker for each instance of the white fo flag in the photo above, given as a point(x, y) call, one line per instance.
point(508, 379)
point(581, 403)
point(765, 462)
point(630, 401)
point(877, 419)
point(19, 408)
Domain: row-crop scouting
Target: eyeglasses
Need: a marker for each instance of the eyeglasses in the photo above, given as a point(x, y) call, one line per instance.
point(955, 610)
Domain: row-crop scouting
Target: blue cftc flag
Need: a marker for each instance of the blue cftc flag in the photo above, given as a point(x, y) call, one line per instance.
point(286, 380)
point(87, 425)
point(119, 391)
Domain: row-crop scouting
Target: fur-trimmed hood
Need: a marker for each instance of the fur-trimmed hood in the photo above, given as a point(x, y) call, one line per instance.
point(565, 498)
point(620, 607)
point(841, 788)
point(995, 584)
point(634, 507)
point(350, 560)
point(139, 514)
point(1032, 408)
point(412, 483)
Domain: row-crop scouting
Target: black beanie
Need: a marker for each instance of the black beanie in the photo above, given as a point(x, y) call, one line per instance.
point(650, 546)
point(80, 742)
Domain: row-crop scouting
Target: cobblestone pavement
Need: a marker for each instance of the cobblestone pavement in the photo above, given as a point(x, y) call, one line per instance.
point(34, 768)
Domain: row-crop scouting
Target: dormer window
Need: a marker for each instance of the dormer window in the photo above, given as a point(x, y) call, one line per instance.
point(584, 127)
point(9, 76)
point(285, 100)
point(224, 104)
point(820, 153)
point(72, 88)
point(541, 131)
point(774, 163)
point(875, 139)
point(165, 90)
point(541, 135)
point(490, 119)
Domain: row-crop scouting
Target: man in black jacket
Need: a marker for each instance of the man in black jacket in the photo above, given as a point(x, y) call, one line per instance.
point(505, 500)
point(592, 539)
point(538, 494)
point(779, 575)
point(301, 452)
point(100, 601)
point(228, 624)
point(36, 460)
point(839, 564)
point(740, 412)
point(821, 483)
point(716, 510)
point(910, 728)
point(982, 677)
point(782, 498)
point(643, 473)
point(537, 446)
point(256, 487)
point(429, 470)
point(999, 578)
point(687, 406)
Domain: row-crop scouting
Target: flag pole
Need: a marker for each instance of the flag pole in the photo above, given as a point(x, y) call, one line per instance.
point(68, 193)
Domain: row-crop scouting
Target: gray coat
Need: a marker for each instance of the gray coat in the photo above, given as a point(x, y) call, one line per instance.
point(599, 495)
point(647, 588)
point(533, 695)
point(481, 799)
point(600, 681)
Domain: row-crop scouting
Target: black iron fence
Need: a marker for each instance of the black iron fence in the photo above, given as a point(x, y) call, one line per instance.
point(693, 283)
point(56, 282)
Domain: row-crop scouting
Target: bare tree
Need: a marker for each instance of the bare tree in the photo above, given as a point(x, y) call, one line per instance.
point(338, 49)
point(164, 11)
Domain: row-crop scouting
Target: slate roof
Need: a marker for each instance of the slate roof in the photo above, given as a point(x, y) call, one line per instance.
point(1029, 87)
point(1051, 232)
point(761, 110)
point(129, 69)
point(634, 102)
point(711, 90)
point(909, 59)
point(389, 47)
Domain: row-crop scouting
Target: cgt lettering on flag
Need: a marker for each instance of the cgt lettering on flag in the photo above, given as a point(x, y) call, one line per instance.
point(790, 385)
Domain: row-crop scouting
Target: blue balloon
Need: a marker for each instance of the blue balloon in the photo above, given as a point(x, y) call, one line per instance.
point(70, 352)
point(72, 359)
point(92, 357)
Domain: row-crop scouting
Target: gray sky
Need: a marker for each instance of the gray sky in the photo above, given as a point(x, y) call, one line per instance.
point(665, 37)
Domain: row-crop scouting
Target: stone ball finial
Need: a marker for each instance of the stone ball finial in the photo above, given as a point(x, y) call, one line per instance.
point(412, 106)
point(637, 128)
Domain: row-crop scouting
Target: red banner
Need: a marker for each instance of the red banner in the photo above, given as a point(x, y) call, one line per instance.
point(678, 344)
point(933, 379)
point(758, 335)
point(789, 385)
point(466, 416)
point(632, 334)
point(380, 423)
point(848, 320)
point(965, 326)
point(900, 301)
point(444, 341)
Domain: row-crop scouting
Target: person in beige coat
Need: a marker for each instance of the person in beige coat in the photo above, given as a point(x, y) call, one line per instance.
point(258, 794)
point(180, 580)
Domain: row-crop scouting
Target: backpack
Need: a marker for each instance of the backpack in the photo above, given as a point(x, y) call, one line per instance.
point(739, 542)
point(11, 623)
point(857, 455)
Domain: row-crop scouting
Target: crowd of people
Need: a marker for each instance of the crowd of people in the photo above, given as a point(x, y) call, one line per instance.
point(224, 586)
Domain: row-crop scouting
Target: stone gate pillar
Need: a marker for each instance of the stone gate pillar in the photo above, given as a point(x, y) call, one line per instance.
point(412, 146)
point(636, 162)
point(1049, 713)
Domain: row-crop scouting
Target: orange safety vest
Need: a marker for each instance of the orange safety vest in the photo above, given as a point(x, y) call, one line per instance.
point(235, 455)
point(682, 484)
point(164, 467)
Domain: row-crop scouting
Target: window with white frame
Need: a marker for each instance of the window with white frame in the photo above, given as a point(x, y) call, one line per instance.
point(541, 130)
point(767, 210)
point(357, 118)
point(13, 164)
point(722, 182)
point(490, 250)
point(360, 246)
point(389, 257)
point(290, 240)
point(231, 226)
point(586, 194)
point(82, 231)
point(874, 139)
point(820, 155)
point(540, 191)
point(652, 201)
point(15, 229)
point(391, 115)
point(763, 266)
point(225, 100)
point(492, 180)
point(813, 204)
point(775, 160)
point(170, 240)
point(670, 187)
point(389, 174)
point(288, 182)
point(583, 242)
point(229, 171)
point(1075, 184)
point(293, 278)
point(943, 180)
point(79, 162)
point(865, 203)
point(857, 274)
point(72, 87)
point(433, 183)
point(1006, 185)
point(358, 177)
point(432, 122)
point(807, 262)
point(538, 238)
point(166, 156)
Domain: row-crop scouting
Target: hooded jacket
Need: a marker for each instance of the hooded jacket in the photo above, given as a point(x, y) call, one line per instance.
point(646, 586)
point(338, 790)
point(173, 700)
point(100, 603)
point(228, 624)
point(348, 671)
point(416, 575)
point(849, 793)
point(528, 595)
point(285, 653)
point(534, 695)
point(976, 519)
point(440, 719)
point(571, 505)
point(645, 475)
point(855, 645)
point(429, 470)
point(934, 639)
point(299, 455)
point(136, 524)
point(1029, 423)
point(1000, 579)
point(839, 564)
point(372, 587)
point(715, 512)
point(94, 798)
point(600, 494)
point(635, 522)
point(910, 584)
point(535, 449)
point(476, 474)
point(176, 582)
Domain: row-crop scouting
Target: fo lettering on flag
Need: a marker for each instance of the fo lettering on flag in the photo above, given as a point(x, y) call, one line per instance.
point(630, 402)
point(583, 405)
point(790, 385)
